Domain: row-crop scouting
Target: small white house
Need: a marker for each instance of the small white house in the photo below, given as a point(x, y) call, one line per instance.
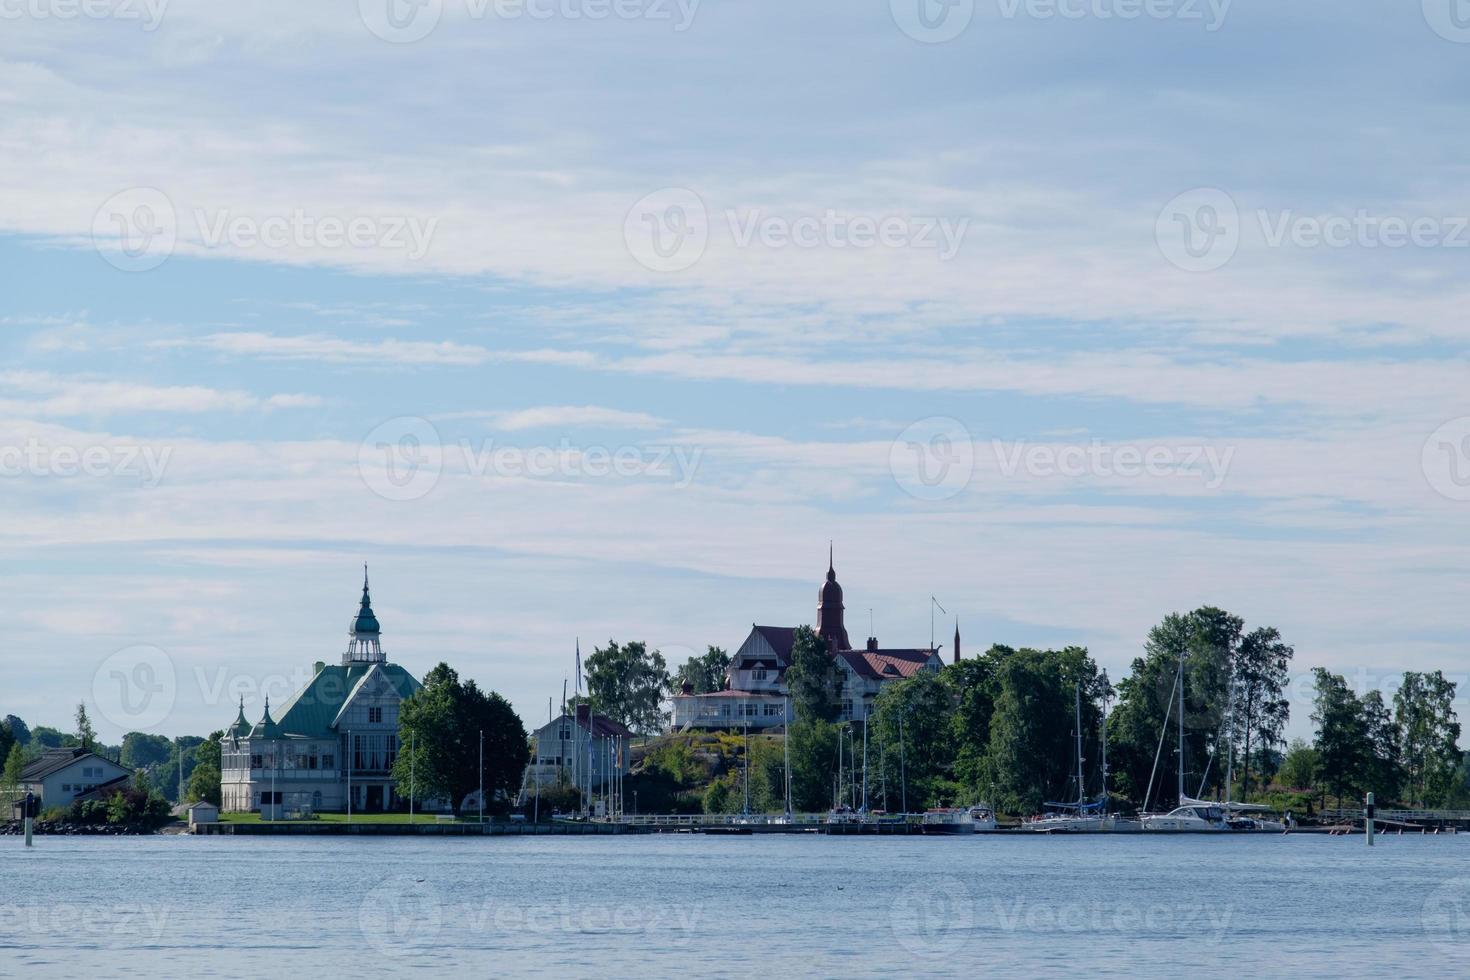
point(203, 812)
point(61, 775)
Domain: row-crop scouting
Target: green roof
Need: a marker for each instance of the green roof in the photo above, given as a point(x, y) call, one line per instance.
point(312, 712)
point(241, 728)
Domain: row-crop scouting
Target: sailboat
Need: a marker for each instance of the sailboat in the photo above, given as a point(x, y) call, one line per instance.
point(1083, 816)
point(1191, 816)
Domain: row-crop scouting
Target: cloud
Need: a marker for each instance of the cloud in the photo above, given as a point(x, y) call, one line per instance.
point(53, 395)
point(571, 417)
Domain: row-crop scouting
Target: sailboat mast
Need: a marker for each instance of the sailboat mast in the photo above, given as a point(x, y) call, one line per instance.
point(1181, 727)
point(1081, 796)
point(1104, 734)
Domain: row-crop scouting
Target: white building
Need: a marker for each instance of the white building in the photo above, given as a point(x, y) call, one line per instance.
point(335, 740)
point(61, 775)
point(578, 752)
point(756, 695)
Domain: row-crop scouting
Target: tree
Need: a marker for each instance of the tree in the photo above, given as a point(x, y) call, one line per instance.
point(7, 740)
point(86, 737)
point(1384, 774)
point(704, 674)
point(1341, 741)
point(1032, 756)
point(814, 679)
point(629, 683)
point(439, 730)
point(204, 781)
point(141, 750)
point(1299, 766)
point(1259, 673)
point(813, 751)
point(913, 722)
point(1425, 713)
point(19, 729)
point(47, 737)
point(15, 763)
point(973, 685)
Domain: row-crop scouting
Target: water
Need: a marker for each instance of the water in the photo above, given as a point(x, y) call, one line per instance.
point(745, 906)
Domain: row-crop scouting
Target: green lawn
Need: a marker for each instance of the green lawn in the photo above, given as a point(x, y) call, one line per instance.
point(336, 818)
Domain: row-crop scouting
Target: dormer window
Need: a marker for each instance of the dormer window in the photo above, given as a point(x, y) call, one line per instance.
point(375, 715)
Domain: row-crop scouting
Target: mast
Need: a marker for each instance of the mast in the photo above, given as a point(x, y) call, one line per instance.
point(1106, 799)
point(1081, 797)
point(786, 749)
point(1181, 727)
point(865, 758)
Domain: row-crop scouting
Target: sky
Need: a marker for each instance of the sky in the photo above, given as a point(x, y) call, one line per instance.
point(591, 319)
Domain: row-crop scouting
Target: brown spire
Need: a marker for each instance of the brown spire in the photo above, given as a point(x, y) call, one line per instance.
point(957, 639)
point(829, 610)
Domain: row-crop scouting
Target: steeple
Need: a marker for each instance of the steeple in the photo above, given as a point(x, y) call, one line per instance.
point(363, 645)
point(957, 639)
point(829, 609)
point(266, 727)
point(241, 727)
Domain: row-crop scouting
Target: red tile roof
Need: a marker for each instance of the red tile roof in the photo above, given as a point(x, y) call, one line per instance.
point(881, 664)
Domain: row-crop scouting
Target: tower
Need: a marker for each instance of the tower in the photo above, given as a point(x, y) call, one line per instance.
point(957, 639)
point(363, 646)
point(829, 610)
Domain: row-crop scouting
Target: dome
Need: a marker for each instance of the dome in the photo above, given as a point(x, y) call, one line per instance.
point(266, 727)
point(366, 624)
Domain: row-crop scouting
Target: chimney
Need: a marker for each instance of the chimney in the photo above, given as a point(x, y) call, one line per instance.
point(872, 643)
point(319, 666)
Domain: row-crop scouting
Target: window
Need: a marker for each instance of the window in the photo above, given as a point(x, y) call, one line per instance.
point(66, 787)
point(759, 674)
point(375, 716)
point(329, 761)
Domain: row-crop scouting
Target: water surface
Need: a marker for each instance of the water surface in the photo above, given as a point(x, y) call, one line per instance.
point(686, 905)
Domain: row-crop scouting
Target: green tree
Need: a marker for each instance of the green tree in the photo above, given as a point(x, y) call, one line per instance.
point(1260, 672)
point(1425, 713)
point(7, 740)
point(629, 683)
point(439, 731)
point(813, 752)
point(19, 729)
point(1032, 755)
point(814, 679)
point(204, 781)
point(913, 724)
point(973, 684)
point(704, 674)
point(1299, 766)
point(141, 750)
point(86, 737)
point(15, 763)
point(1342, 735)
point(1384, 772)
point(46, 737)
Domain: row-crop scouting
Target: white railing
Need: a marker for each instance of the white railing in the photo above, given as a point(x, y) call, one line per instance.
point(1406, 816)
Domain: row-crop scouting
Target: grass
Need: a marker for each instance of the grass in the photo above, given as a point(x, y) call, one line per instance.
point(396, 818)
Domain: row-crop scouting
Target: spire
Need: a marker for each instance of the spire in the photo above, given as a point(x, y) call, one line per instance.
point(957, 639)
point(241, 727)
point(363, 645)
point(829, 610)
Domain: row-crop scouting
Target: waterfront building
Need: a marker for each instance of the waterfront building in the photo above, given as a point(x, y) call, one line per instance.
point(60, 776)
point(590, 749)
point(756, 695)
point(333, 743)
